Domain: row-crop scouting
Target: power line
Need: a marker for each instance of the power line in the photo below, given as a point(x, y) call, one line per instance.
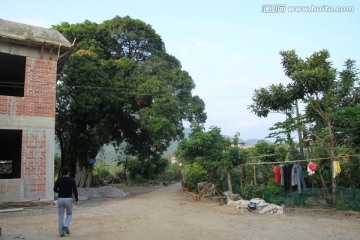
point(133, 92)
point(136, 92)
point(77, 9)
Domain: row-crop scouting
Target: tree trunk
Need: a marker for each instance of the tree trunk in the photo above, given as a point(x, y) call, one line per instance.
point(89, 176)
point(125, 170)
point(298, 124)
point(332, 159)
point(229, 181)
point(80, 177)
point(83, 177)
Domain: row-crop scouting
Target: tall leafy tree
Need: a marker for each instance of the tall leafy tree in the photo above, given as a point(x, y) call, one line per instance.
point(347, 113)
point(120, 86)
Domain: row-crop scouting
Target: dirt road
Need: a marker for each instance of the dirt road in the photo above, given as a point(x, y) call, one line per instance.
point(168, 213)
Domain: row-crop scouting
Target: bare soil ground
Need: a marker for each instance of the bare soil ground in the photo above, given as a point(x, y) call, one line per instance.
point(161, 212)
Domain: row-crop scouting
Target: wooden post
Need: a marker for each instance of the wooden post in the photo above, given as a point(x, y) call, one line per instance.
point(333, 181)
point(332, 159)
point(244, 174)
point(254, 175)
point(241, 180)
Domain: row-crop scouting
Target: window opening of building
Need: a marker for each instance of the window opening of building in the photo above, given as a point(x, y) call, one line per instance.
point(10, 153)
point(12, 75)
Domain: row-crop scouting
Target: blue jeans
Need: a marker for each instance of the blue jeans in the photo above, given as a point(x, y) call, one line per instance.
point(64, 204)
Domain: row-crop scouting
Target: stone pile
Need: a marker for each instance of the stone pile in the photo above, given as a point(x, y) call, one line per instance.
point(101, 192)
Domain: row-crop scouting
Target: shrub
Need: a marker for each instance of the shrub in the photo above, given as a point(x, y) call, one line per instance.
point(195, 173)
point(146, 168)
point(101, 170)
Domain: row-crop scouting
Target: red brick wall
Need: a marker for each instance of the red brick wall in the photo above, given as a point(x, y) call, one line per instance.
point(39, 92)
point(33, 164)
point(38, 101)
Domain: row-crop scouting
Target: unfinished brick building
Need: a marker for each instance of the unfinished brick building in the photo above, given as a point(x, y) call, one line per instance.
point(29, 58)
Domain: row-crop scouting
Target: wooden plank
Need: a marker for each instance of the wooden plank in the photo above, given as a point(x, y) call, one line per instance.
point(11, 210)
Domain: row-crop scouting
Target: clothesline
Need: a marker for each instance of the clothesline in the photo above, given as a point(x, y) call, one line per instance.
point(338, 158)
point(264, 155)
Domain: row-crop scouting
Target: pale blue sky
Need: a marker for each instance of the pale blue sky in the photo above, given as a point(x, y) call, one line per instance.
point(229, 47)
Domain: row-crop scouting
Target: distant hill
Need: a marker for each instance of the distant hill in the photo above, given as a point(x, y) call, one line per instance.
point(253, 141)
point(174, 144)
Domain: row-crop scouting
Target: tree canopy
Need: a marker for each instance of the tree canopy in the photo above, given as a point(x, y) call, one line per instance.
point(213, 152)
point(323, 90)
point(121, 86)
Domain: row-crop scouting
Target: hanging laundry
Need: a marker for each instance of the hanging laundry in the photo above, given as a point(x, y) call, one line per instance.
point(336, 169)
point(311, 168)
point(287, 176)
point(294, 181)
point(282, 183)
point(299, 178)
point(277, 174)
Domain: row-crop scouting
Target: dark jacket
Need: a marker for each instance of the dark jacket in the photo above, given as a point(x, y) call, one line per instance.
point(65, 187)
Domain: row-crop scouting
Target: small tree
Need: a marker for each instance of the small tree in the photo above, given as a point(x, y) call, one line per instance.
point(232, 157)
point(205, 148)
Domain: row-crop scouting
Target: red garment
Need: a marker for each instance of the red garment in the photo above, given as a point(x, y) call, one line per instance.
point(312, 166)
point(277, 173)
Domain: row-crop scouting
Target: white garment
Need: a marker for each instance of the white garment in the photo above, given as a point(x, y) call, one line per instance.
point(293, 176)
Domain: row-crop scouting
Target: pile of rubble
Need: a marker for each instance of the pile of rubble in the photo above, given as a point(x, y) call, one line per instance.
point(209, 190)
point(255, 205)
point(101, 192)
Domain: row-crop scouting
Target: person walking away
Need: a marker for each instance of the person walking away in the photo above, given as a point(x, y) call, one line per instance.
point(65, 186)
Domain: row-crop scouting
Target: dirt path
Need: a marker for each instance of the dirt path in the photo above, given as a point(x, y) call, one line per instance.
point(168, 213)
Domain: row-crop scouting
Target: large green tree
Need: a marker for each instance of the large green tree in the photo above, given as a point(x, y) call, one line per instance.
point(121, 86)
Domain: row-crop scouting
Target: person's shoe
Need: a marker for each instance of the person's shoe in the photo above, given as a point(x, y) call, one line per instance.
point(66, 229)
point(61, 235)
